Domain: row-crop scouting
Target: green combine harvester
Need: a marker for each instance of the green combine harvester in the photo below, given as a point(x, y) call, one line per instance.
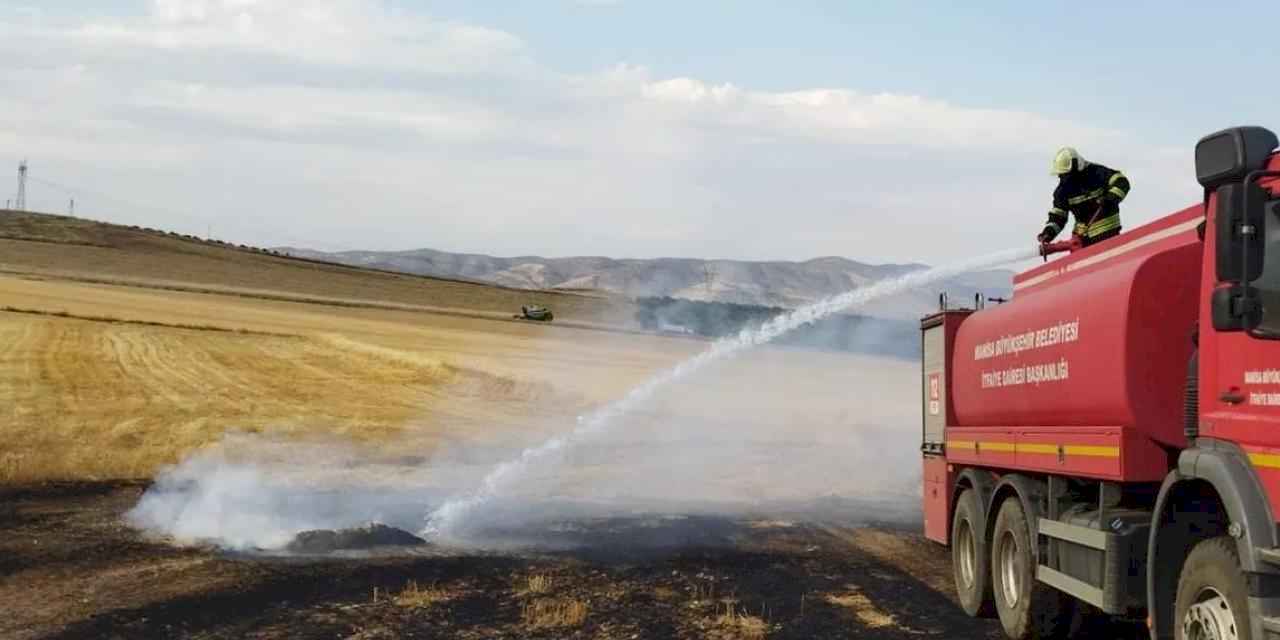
point(535, 313)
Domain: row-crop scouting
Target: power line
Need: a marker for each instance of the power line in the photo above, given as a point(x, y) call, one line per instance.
point(75, 191)
point(192, 221)
point(20, 203)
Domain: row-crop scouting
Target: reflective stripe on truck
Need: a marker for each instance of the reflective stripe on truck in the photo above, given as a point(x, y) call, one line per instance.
point(1045, 449)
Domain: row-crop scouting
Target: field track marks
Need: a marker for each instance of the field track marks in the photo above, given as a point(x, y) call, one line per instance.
point(121, 400)
point(909, 553)
point(19, 342)
point(123, 321)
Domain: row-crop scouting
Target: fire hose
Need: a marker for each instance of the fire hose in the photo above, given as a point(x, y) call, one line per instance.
point(1049, 248)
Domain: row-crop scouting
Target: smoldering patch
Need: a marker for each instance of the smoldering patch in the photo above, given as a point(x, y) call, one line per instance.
point(371, 536)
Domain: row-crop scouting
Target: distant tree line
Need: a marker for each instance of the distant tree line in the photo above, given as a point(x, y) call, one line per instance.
point(194, 238)
point(840, 332)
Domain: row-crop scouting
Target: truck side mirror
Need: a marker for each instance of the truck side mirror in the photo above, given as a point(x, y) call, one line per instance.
point(1228, 155)
point(1236, 307)
point(1241, 229)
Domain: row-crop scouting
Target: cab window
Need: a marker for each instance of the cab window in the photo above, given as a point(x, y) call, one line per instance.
point(1268, 284)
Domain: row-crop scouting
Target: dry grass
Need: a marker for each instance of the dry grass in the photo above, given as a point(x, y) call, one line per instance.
point(83, 399)
point(890, 547)
point(537, 584)
point(550, 613)
point(415, 597)
point(509, 350)
point(866, 611)
point(735, 623)
point(100, 382)
point(33, 227)
point(144, 323)
point(703, 593)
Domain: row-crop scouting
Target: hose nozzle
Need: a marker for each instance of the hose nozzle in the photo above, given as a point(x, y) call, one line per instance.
point(1049, 248)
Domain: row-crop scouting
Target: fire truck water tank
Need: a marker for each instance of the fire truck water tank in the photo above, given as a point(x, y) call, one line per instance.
point(1100, 345)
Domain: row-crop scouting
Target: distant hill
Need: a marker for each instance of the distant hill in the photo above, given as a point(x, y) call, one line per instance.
point(65, 246)
point(767, 284)
point(839, 332)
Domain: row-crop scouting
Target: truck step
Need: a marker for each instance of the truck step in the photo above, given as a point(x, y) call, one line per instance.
point(1271, 555)
point(1271, 625)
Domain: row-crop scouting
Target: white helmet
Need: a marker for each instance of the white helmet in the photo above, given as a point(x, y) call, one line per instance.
point(1065, 160)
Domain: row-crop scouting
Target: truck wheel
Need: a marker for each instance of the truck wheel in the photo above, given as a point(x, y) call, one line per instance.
point(1027, 608)
point(969, 556)
point(1213, 596)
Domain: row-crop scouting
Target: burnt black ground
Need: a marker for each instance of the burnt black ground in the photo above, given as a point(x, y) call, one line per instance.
point(372, 536)
point(70, 569)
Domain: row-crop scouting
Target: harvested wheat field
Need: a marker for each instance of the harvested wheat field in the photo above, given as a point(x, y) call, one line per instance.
point(117, 400)
point(110, 382)
point(187, 456)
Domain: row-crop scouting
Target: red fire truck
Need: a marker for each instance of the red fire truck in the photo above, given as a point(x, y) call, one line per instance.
point(1109, 439)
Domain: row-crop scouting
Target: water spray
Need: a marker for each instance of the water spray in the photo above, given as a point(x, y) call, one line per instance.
point(449, 519)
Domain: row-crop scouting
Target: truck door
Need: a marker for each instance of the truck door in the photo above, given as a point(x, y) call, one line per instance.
point(1240, 400)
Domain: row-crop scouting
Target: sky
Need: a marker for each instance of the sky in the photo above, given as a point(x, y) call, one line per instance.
point(883, 132)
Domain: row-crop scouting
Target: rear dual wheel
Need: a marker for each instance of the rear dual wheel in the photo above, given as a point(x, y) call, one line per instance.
point(1027, 608)
point(969, 560)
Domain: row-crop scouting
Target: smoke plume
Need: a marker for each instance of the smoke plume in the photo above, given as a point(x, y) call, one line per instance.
point(758, 433)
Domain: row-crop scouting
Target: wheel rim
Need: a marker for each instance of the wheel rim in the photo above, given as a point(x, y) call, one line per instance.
point(1010, 576)
point(968, 553)
point(1210, 618)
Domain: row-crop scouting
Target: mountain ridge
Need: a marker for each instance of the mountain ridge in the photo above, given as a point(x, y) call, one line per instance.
point(772, 283)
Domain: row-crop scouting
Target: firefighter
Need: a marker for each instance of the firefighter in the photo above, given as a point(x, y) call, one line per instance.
point(1090, 192)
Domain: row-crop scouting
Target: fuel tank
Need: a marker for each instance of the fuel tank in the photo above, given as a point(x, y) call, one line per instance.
point(1099, 338)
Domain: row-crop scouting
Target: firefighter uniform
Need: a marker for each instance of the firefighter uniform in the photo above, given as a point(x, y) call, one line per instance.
point(1091, 193)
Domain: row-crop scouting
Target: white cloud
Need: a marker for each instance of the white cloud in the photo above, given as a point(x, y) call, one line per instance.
point(344, 123)
point(353, 33)
point(856, 118)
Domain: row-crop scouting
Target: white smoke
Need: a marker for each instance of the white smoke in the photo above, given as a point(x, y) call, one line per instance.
point(752, 437)
point(250, 492)
point(449, 518)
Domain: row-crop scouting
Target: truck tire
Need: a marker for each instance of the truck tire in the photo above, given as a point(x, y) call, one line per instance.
point(969, 559)
point(1027, 608)
point(1213, 594)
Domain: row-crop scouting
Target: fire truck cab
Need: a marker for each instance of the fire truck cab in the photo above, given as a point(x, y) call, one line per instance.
point(1108, 441)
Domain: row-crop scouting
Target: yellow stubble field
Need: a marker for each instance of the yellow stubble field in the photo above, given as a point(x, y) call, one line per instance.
point(105, 381)
point(101, 381)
